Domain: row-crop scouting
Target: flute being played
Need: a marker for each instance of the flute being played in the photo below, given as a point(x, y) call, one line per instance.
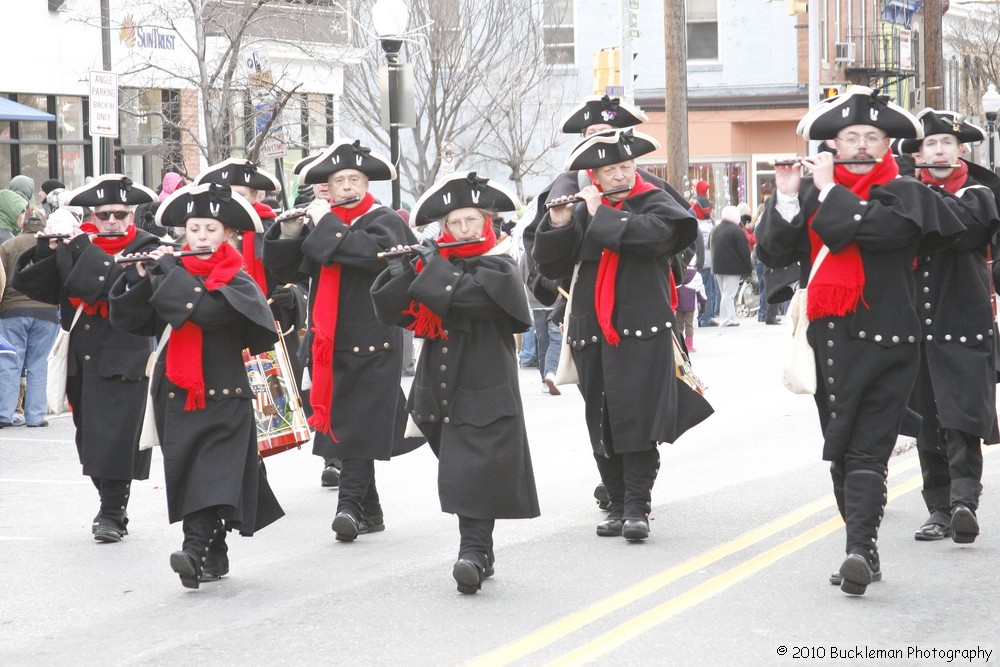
point(936, 166)
point(411, 251)
point(147, 258)
point(66, 236)
point(295, 216)
point(575, 199)
point(792, 163)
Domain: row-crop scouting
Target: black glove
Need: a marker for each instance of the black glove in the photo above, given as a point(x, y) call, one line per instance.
point(426, 250)
point(283, 297)
point(397, 265)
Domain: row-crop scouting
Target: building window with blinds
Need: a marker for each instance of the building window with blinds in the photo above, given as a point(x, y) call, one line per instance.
point(703, 29)
point(557, 22)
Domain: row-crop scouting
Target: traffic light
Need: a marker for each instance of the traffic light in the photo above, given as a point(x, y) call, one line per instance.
point(607, 69)
point(830, 91)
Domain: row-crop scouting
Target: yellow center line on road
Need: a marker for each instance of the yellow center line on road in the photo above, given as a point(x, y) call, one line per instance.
point(615, 637)
point(567, 625)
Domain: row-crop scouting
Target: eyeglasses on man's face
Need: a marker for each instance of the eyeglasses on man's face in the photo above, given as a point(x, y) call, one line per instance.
point(469, 222)
point(869, 140)
point(106, 215)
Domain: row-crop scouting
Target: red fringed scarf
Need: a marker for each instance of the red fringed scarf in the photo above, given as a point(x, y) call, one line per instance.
point(952, 183)
point(607, 273)
point(251, 262)
point(839, 282)
point(324, 318)
point(426, 322)
point(111, 245)
point(184, 351)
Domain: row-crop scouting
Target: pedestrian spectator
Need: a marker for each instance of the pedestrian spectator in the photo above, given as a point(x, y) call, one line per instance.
point(547, 337)
point(730, 262)
point(48, 187)
point(171, 181)
point(746, 224)
point(690, 295)
point(12, 207)
point(702, 209)
point(23, 186)
point(30, 327)
point(106, 383)
point(466, 302)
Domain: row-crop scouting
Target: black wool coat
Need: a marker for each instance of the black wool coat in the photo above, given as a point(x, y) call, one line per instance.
point(210, 454)
point(866, 361)
point(633, 399)
point(730, 250)
point(368, 408)
point(465, 395)
point(106, 368)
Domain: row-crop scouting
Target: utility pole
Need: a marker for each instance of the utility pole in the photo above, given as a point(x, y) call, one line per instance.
point(675, 104)
point(107, 143)
point(933, 55)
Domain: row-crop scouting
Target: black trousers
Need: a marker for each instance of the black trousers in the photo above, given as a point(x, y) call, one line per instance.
point(952, 468)
point(357, 493)
point(629, 480)
point(476, 542)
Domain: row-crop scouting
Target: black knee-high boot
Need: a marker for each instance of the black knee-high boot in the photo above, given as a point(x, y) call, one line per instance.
point(474, 553)
point(613, 477)
point(864, 503)
point(640, 469)
point(111, 521)
point(200, 528)
point(837, 475)
point(217, 559)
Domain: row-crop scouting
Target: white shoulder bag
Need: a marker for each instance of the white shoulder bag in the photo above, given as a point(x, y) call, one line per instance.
point(799, 370)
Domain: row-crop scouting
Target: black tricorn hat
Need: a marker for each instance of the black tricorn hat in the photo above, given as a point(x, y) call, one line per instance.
point(111, 189)
point(301, 164)
point(602, 110)
point(944, 122)
point(208, 200)
point(461, 190)
point(607, 148)
point(238, 171)
point(858, 105)
point(347, 155)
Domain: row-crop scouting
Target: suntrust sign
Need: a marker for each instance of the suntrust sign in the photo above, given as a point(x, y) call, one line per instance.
point(139, 37)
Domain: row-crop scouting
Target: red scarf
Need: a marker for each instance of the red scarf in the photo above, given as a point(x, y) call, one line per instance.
point(324, 317)
point(251, 262)
point(953, 182)
point(111, 245)
point(607, 273)
point(184, 353)
point(426, 323)
point(839, 283)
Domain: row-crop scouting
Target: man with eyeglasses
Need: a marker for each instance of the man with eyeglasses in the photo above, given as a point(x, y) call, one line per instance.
point(355, 361)
point(955, 391)
point(106, 381)
point(860, 226)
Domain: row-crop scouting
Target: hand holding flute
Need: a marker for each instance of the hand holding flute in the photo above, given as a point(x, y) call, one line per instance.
point(139, 259)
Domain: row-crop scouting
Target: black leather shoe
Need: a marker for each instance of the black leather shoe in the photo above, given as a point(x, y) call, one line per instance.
point(964, 525)
point(371, 524)
point(610, 528)
point(775, 321)
point(108, 530)
point(855, 574)
point(184, 565)
point(468, 575)
point(931, 531)
point(634, 530)
point(345, 526)
point(837, 579)
point(330, 477)
point(602, 497)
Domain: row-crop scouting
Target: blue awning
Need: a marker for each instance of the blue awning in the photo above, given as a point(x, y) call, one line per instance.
point(11, 110)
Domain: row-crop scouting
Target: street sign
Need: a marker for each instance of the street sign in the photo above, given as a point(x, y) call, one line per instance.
point(103, 104)
point(273, 146)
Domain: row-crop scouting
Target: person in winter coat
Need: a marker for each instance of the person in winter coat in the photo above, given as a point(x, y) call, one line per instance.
point(201, 394)
point(955, 392)
point(466, 303)
point(106, 376)
point(730, 261)
point(690, 295)
point(621, 317)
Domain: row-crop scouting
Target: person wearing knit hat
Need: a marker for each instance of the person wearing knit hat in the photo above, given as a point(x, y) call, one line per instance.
point(171, 181)
point(359, 411)
point(466, 302)
point(620, 330)
point(701, 207)
point(24, 186)
point(730, 261)
point(856, 230)
point(956, 387)
point(107, 383)
point(49, 186)
point(199, 383)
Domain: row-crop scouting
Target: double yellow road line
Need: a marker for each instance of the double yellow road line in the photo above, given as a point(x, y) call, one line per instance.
point(608, 641)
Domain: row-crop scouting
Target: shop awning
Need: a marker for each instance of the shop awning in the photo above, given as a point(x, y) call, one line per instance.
point(11, 110)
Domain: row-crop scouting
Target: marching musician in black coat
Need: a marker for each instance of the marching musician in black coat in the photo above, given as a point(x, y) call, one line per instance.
point(955, 391)
point(466, 304)
point(356, 361)
point(620, 318)
point(863, 317)
point(106, 380)
point(201, 395)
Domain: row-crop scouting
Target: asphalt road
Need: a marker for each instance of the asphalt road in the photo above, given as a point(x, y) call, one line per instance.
point(744, 535)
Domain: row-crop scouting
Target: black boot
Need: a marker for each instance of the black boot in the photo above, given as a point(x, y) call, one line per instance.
point(199, 529)
point(474, 554)
point(356, 476)
point(111, 521)
point(640, 470)
point(938, 524)
point(613, 477)
point(371, 519)
point(217, 559)
point(864, 502)
point(330, 477)
point(965, 500)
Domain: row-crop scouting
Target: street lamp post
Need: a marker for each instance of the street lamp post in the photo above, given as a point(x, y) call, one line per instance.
point(389, 18)
point(991, 105)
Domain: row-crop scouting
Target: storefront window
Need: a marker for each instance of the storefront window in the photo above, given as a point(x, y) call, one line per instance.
point(72, 164)
point(69, 118)
point(727, 182)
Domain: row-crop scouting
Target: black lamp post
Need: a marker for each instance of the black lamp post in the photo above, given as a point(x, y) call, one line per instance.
point(390, 18)
point(991, 105)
